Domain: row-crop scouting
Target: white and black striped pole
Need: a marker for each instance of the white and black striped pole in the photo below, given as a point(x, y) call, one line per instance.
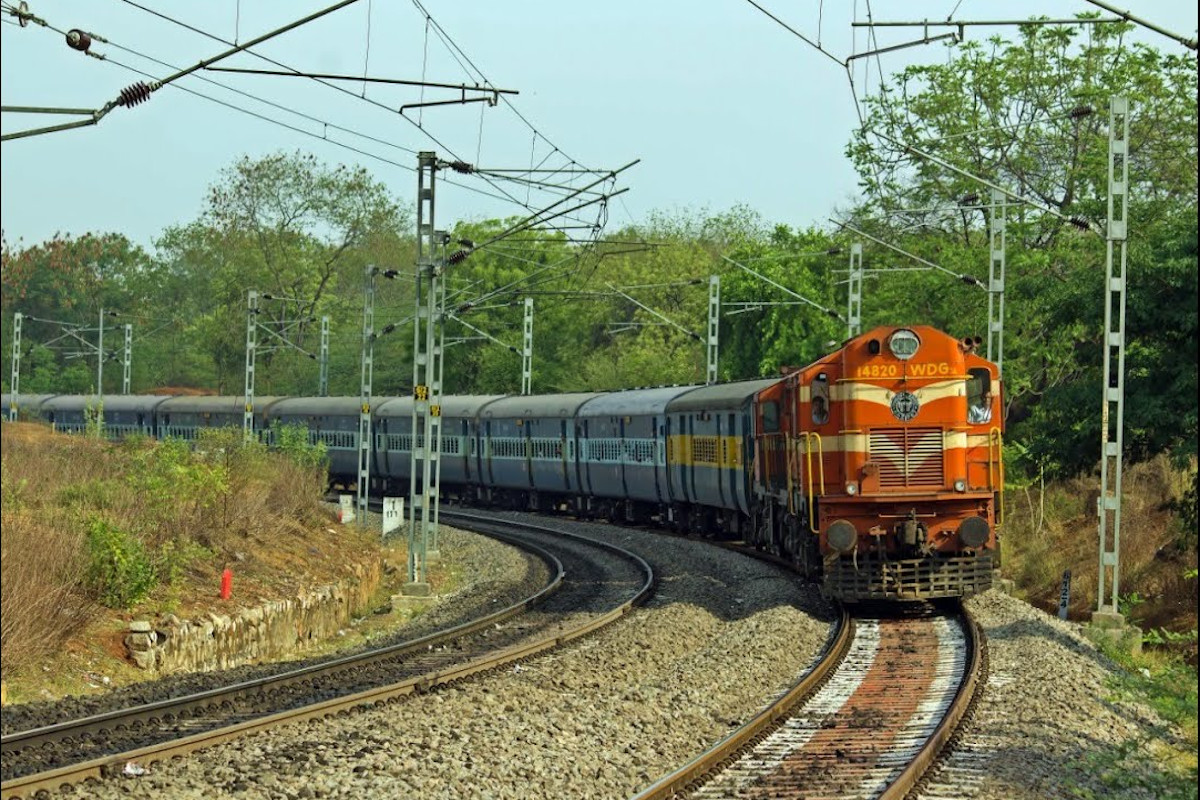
point(14, 383)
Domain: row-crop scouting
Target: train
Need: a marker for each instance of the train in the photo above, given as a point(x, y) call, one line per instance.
point(877, 470)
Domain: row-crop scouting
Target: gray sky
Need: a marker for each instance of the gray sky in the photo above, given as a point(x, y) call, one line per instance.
point(721, 104)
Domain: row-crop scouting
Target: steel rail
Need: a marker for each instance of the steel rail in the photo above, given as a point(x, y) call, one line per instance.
point(964, 699)
point(692, 775)
point(151, 711)
point(28, 785)
point(760, 725)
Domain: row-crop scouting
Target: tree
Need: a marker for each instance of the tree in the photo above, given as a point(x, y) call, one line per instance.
point(292, 228)
point(1032, 116)
point(68, 279)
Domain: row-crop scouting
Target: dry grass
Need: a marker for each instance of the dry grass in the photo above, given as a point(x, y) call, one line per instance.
point(194, 514)
point(1056, 529)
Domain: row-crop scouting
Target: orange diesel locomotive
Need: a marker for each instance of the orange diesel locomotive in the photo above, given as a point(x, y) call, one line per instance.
point(878, 467)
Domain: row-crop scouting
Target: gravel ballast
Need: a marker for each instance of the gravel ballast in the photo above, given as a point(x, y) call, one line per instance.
point(611, 714)
point(602, 718)
point(1049, 721)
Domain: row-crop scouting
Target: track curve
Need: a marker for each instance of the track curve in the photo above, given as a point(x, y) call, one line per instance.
point(593, 584)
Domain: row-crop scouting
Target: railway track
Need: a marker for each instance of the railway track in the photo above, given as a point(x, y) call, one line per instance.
point(592, 584)
point(868, 722)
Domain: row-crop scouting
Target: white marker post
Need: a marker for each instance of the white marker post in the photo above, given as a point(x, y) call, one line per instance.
point(393, 513)
point(346, 512)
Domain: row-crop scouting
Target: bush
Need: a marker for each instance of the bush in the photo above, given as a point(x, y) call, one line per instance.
point(42, 599)
point(292, 441)
point(120, 572)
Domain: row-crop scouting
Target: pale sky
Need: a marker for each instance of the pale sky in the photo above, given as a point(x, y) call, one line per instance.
point(722, 105)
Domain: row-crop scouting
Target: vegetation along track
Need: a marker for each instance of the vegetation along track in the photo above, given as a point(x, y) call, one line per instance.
point(867, 722)
point(593, 584)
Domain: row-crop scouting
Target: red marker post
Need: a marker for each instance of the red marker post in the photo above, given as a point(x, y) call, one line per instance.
point(226, 584)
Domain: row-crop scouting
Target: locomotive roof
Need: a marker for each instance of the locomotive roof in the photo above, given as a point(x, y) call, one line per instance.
point(720, 396)
point(537, 405)
point(221, 404)
point(455, 405)
point(111, 402)
point(632, 402)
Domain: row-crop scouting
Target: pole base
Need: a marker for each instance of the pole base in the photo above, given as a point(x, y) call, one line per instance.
point(415, 589)
point(1108, 626)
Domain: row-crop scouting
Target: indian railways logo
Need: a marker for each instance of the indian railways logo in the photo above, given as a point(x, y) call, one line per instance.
point(905, 406)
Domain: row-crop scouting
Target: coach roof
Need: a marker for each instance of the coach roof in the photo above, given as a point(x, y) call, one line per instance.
point(720, 396)
point(537, 405)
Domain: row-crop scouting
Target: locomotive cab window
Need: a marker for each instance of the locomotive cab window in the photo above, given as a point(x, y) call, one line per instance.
point(820, 399)
point(770, 417)
point(979, 396)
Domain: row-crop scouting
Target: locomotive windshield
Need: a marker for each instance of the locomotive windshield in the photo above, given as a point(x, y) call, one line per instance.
point(820, 399)
point(979, 396)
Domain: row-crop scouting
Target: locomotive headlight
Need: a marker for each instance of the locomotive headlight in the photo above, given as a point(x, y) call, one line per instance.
point(960, 485)
point(842, 536)
point(973, 532)
point(852, 488)
point(904, 344)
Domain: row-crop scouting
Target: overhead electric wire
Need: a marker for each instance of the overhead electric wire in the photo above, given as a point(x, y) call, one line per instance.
point(329, 84)
point(451, 43)
point(797, 34)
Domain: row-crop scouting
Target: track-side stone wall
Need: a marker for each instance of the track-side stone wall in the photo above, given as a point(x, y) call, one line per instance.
point(272, 630)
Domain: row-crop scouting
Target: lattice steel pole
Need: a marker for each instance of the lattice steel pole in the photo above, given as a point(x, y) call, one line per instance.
point(714, 328)
point(363, 486)
point(854, 293)
point(998, 236)
point(323, 378)
point(437, 297)
point(527, 349)
point(1112, 418)
point(127, 360)
point(423, 303)
point(251, 354)
point(14, 382)
point(100, 376)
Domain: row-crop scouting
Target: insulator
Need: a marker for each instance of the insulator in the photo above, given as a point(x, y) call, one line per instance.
point(134, 94)
point(461, 166)
point(391, 326)
point(1081, 223)
point(968, 199)
point(970, 280)
point(1079, 112)
point(459, 256)
point(78, 40)
point(467, 243)
point(833, 251)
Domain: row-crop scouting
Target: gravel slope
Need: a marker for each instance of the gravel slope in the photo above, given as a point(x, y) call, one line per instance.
point(1048, 718)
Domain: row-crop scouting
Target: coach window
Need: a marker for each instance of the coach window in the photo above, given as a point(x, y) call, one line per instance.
point(979, 396)
point(820, 399)
point(770, 417)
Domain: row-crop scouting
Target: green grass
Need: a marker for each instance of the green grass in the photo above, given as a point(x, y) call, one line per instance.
point(1161, 764)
